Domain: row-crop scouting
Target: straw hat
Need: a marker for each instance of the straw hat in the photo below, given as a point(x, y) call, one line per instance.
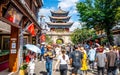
point(49, 46)
point(114, 47)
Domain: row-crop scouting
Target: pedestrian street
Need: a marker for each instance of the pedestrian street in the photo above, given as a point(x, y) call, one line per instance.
point(40, 69)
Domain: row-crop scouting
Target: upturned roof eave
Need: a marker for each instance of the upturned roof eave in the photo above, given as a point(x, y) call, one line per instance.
point(57, 24)
point(53, 12)
point(61, 18)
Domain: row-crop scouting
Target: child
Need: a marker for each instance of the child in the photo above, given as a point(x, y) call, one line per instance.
point(31, 67)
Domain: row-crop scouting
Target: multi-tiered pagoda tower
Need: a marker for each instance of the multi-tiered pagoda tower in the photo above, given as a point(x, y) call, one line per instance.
point(59, 26)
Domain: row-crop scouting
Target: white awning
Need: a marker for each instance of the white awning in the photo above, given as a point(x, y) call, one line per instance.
point(4, 27)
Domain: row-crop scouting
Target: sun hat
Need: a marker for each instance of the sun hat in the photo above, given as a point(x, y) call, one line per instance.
point(49, 46)
point(114, 47)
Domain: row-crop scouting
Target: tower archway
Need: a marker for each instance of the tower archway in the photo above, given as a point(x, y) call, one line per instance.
point(59, 41)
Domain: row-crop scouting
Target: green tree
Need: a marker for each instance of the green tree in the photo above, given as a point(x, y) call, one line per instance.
point(81, 35)
point(100, 14)
point(59, 41)
point(48, 39)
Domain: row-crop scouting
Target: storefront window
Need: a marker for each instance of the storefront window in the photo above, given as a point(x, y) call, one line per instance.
point(6, 43)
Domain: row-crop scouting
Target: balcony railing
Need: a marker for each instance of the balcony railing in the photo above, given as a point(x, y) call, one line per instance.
point(59, 33)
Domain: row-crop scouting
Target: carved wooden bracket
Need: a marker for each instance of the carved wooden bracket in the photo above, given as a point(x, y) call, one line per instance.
point(3, 4)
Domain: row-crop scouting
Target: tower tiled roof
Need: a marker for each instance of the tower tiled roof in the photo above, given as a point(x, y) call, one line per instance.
point(66, 17)
point(57, 24)
point(60, 11)
point(59, 19)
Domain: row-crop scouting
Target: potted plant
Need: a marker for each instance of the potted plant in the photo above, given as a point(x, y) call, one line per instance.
point(23, 69)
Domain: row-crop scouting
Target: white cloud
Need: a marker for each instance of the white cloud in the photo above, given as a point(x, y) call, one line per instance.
point(45, 12)
point(75, 25)
point(70, 5)
point(67, 4)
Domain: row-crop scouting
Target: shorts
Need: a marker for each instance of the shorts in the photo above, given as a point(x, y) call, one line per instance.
point(75, 70)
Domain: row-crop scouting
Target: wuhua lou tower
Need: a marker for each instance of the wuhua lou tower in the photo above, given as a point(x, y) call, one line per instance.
point(59, 27)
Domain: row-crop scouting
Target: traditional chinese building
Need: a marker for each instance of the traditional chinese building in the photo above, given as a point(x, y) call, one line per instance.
point(15, 17)
point(116, 34)
point(59, 26)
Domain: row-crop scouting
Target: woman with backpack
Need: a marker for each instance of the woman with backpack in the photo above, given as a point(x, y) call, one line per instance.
point(63, 59)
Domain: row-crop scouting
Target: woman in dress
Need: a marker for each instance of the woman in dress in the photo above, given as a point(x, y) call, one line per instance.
point(84, 67)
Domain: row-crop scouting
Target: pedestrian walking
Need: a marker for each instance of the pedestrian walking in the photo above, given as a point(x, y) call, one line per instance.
point(63, 60)
point(57, 51)
point(49, 55)
point(27, 57)
point(31, 66)
point(111, 58)
point(67, 49)
point(75, 60)
point(101, 61)
point(117, 62)
point(84, 63)
point(42, 52)
point(91, 58)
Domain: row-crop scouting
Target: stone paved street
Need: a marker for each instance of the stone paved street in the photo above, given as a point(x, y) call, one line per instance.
point(40, 69)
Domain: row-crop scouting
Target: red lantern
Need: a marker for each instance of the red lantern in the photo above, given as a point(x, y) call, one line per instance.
point(42, 38)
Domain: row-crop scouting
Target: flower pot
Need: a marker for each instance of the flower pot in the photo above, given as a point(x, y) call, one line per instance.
point(23, 69)
point(22, 72)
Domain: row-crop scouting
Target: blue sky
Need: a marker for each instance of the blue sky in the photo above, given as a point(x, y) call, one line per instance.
point(66, 5)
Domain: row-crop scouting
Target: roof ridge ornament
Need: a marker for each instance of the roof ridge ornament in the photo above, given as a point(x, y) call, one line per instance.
point(59, 7)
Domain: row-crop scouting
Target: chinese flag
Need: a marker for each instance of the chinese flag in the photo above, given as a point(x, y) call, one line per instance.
point(31, 29)
point(42, 38)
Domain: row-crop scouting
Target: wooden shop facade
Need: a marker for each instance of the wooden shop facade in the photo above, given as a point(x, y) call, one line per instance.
point(15, 17)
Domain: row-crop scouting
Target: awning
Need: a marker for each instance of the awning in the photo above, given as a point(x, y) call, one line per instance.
point(4, 27)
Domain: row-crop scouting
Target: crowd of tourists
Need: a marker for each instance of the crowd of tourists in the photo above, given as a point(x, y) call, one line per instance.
point(81, 58)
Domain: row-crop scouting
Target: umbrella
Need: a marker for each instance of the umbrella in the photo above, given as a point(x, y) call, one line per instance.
point(43, 43)
point(33, 48)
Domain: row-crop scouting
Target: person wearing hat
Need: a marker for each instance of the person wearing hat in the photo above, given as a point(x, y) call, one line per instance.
point(49, 55)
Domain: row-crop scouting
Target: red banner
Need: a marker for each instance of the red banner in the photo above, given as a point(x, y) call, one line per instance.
point(42, 38)
point(31, 29)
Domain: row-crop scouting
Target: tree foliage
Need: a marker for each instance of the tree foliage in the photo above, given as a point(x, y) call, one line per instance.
point(48, 39)
point(59, 41)
point(100, 14)
point(81, 35)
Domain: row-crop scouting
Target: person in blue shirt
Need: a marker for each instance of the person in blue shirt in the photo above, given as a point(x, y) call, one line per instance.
point(91, 57)
point(42, 52)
